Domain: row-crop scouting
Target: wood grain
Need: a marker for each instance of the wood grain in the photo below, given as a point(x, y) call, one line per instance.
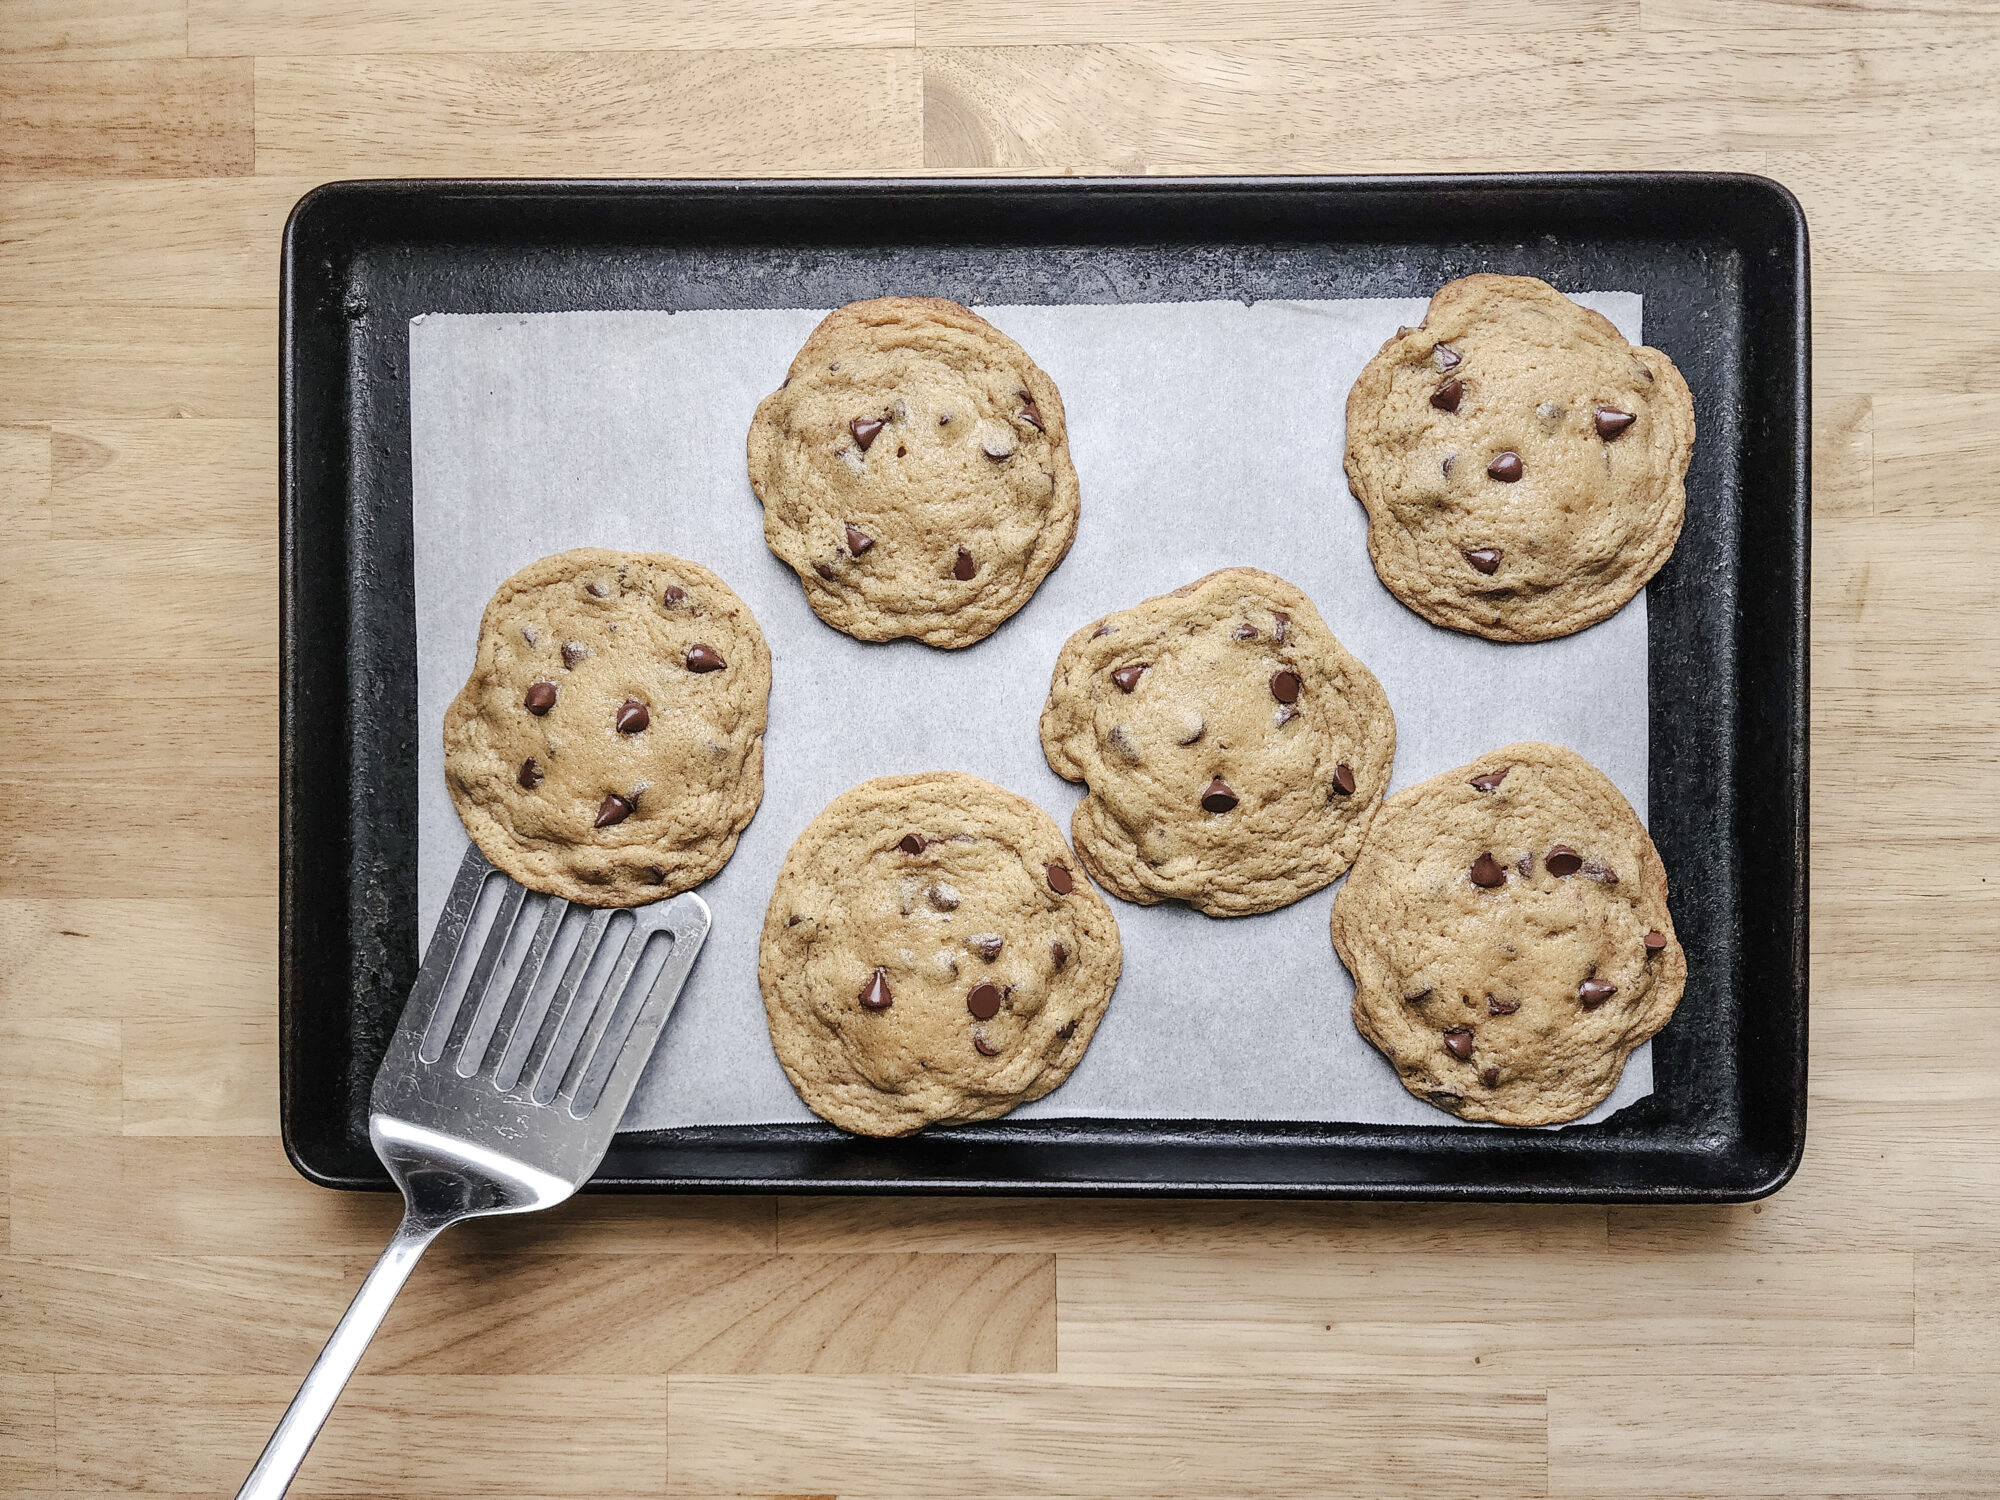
point(588, 114)
point(1071, 1226)
point(405, 1436)
point(80, 30)
point(1678, 1435)
point(963, 23)
point(975, 1437)
point(1345, 1314)
point(207, 243)
point(64, 363)
point(251, 27)
point(164, 1274)
point(142, 118)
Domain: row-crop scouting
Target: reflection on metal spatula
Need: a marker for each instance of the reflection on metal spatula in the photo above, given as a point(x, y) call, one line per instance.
point(524, 1036)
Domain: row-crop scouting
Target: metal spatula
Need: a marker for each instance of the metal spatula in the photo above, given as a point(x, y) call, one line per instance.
point(524, 1036)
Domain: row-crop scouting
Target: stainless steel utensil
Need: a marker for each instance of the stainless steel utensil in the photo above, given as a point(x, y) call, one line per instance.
point(524, 1036)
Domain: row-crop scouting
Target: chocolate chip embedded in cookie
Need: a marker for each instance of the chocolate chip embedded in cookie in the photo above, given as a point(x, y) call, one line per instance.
point(609, 745)
point(1534, 489)
point(915, 472)
point(1506, 925)
point(1234, 750)
point(928, 956)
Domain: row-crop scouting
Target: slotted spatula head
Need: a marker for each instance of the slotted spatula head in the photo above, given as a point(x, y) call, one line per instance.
point(524, 1036)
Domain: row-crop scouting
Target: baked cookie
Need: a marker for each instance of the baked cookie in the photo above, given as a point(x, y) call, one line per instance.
point(931, 955)
point(1235, 752)
point(1520, 462)
point(609, 745)
point(915, 472)
point(1507, 929)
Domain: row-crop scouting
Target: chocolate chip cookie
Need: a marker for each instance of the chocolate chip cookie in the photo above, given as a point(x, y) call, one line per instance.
point(1506, 925)
point(609, 745)
point(1520, 462)
point(915, 473)
point(1234, 750)
point(931, 955)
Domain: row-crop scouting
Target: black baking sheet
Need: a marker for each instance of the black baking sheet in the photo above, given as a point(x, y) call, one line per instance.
point(1721, 263)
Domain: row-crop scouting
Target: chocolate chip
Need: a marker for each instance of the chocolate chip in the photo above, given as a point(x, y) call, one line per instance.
point(528, 635)
point(875, 993)
point(1594, 992)
point(1526, 864)
point(572, 653)
point(1060, 879)
point(1490, 1077)
point(595, 590)
point(1458, 1042)
point(1066, 1030)
point(1656, 942)
point(1442, 1099)
point(673, 596)
point(1285, 686)
point(1490, 782)
point(793, 920)
point(943, 897)
point(1611, 421)
point(1488, 872)
point(1448, 358)
point(1122, 741)
point(1059, 953)
point(1103, 630)
point(1283, 626)
point(913, 843)
point(1596, 871)
point(1246, 632)
point(541, 698)
point(1419, 997)
point(1445, 467)
point(701, 658)
point(1127, 678)
point(987, 945)
point(1218, 798)
point(1282, 715)
point(965, 567)
point(1192, 734)
point(1484, 559)
point(632, 716)
point(865, 430)
point(1343, 780)
point(1563, 860)
point(531, 774)
point(984, 1001)
point(998, 447)
point(1550, 411)
point(858, 541)
point(1030, 412)
point(1447, 396)
point(1505, 467)
point(983, 1047)
point(613, 809)
point(1495, 1006)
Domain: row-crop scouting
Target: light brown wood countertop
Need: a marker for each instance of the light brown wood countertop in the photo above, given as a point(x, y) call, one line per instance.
point(166, 1278)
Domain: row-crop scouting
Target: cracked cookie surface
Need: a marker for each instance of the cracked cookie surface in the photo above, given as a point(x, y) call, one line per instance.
point(914, 471)
point(608, 747)
point(1234, 750)
point(1521, 463)
point(931, 955)
point(1506, 925)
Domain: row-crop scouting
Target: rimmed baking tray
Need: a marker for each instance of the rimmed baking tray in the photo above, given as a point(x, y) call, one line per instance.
point(1721, 261)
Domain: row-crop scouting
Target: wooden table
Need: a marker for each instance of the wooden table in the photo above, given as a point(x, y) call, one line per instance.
point(167, 1277)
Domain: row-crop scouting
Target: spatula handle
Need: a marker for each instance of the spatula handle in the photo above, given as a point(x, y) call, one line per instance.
point(279, 1463)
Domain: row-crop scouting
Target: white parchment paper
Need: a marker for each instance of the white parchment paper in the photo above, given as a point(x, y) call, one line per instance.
point(1205, 435)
